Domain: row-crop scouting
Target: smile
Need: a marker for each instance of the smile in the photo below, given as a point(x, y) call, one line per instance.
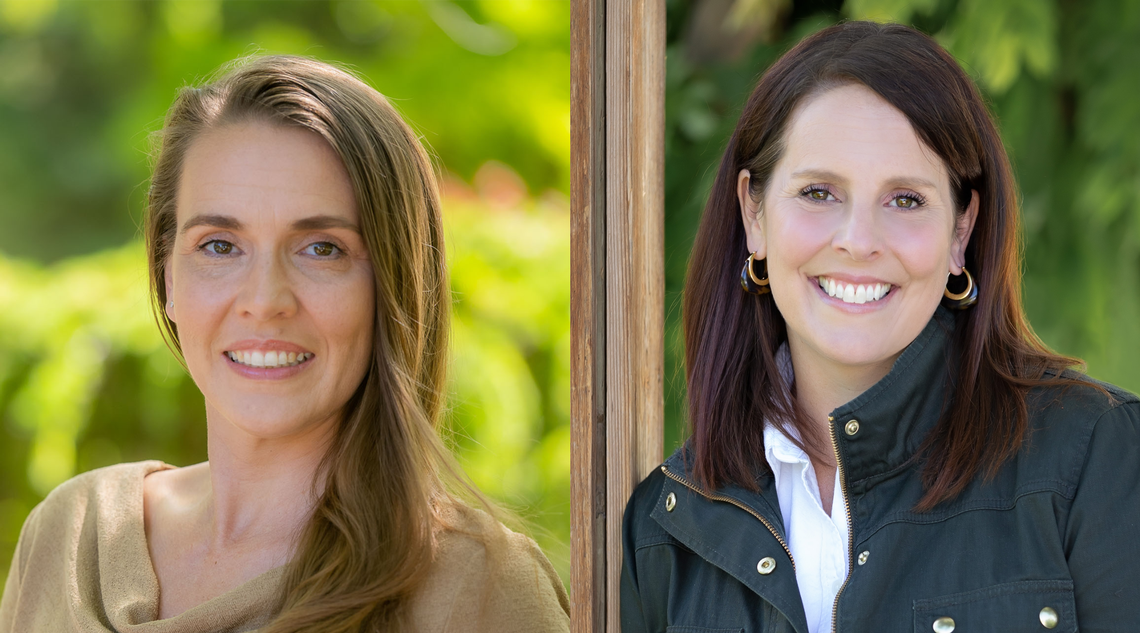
point(268, 359)
point(852, 293)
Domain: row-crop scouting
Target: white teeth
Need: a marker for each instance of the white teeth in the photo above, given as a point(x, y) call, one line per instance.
point(269, 359)
point(852, 293)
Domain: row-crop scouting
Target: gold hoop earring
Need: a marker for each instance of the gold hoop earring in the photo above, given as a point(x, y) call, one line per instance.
point(750, 282)
point(964, 299)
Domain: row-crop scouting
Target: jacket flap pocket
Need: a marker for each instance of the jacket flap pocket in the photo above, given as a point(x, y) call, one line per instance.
point(699, 629)
point(1029, 605)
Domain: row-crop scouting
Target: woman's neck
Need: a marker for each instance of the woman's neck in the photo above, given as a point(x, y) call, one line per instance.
point(823, 385)
point(258, 490)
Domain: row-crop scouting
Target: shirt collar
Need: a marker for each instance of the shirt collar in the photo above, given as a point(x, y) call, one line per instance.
point(778, 446)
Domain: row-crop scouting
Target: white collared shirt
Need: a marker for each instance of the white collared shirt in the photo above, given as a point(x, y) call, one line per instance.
point(818, 542)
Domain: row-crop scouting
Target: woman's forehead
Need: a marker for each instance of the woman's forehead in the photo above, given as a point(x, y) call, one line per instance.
point(851, 132)
point(264, 173)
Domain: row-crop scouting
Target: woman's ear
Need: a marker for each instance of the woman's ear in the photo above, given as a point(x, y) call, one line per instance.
point(750, 215)
point(168, 282)
point(962, 231)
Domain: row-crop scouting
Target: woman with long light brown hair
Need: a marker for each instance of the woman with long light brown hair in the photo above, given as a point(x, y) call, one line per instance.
point(297, 267)
point(879, 442)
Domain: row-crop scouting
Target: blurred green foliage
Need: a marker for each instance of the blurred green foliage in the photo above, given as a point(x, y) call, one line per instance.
point(85, 82)
point(85, 380)
point(1061, 79)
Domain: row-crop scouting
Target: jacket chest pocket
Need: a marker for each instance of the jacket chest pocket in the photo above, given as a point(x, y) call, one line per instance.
point(1029, 606)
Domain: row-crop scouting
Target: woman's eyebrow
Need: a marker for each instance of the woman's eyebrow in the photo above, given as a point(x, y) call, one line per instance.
point(910, 181)
point(319, 222)
point(830, 176)
point(219, 221)
point(819, 174)
point(312, 223)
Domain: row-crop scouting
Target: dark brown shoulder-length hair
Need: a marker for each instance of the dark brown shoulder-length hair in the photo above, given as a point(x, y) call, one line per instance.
point(731, 337)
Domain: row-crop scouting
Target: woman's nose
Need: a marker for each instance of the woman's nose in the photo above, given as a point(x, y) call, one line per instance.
point(857, 235)
point(267, 293)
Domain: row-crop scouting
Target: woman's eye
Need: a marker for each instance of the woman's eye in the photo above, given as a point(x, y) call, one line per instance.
point(819, 195)
point(217, 247)
point(907, 202)
point(323, 249)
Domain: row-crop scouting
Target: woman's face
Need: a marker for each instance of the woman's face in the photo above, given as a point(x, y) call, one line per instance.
point(857, 203)
point(271, 282)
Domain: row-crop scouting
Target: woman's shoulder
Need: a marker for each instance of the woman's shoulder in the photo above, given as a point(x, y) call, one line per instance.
point(645, 497)
point(1078, 404)
point(70, 519)
point(99, 488)
point(474, 536)
point(484, 576)
point(1076, 425)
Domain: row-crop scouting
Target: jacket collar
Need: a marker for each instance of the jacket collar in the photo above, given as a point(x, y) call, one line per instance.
point(897, 413)
point(894, 416)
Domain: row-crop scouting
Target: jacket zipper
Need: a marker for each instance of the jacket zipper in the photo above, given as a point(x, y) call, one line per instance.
point(847, 509)
point(730, 500)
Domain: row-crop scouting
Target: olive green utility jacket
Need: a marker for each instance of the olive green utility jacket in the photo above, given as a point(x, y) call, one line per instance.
point(1051, 542)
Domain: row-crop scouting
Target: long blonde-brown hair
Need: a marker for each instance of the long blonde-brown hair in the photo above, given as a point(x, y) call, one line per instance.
point(368, 544)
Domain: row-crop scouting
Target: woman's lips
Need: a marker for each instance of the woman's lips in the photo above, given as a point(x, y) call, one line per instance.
point(853, 293)
point(269, 373)
point(272, 358)
point(854, 307)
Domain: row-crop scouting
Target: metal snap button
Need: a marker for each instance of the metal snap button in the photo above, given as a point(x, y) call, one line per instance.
point(1048, 618)
point(766, 565)
point(852, 427)
point(863, 557)
point(944, 625)
point(670, 502)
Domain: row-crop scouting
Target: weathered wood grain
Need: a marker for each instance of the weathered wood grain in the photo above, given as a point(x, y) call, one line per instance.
point(587, 318)
point(617, 291)
point(635, 149)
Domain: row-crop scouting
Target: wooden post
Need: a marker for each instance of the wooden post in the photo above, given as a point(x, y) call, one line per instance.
point(617, 292)
point(587, 318)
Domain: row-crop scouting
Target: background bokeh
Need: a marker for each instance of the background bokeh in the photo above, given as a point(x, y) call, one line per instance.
point(1061, 77)
point(85, 380)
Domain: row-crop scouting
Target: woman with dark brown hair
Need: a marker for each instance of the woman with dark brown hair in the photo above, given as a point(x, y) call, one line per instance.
point(295, 247)
point(878, 439)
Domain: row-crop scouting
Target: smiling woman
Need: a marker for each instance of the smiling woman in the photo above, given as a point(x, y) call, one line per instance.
point(879, 441)
point(269, 261)
point(296, 265)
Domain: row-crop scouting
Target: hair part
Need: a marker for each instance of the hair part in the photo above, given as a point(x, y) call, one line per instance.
point(731, 338)
point(355, 567)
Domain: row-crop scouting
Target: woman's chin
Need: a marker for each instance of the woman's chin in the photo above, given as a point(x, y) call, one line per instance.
point(848, 349)
point(270, 421)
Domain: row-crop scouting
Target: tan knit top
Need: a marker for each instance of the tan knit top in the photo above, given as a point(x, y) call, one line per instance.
point(82, 564)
